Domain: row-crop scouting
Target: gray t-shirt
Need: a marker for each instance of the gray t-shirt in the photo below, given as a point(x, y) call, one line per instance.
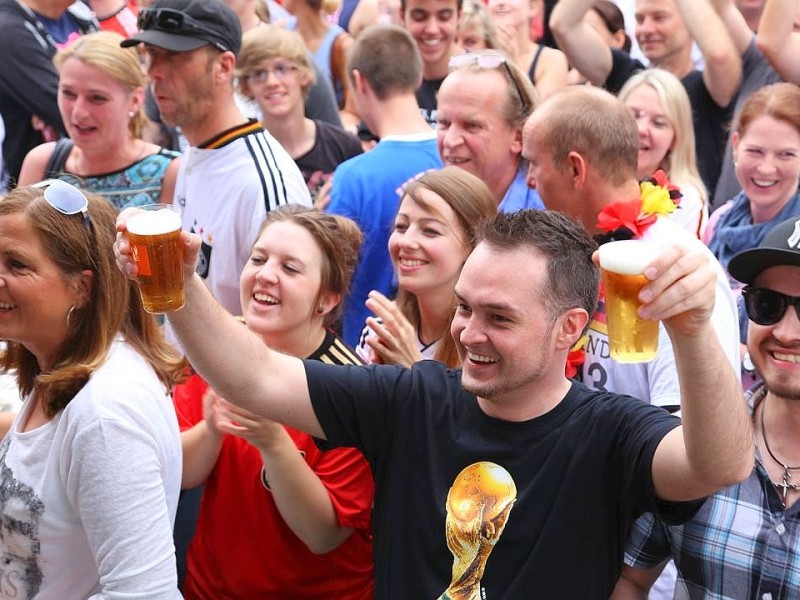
point(756, 73)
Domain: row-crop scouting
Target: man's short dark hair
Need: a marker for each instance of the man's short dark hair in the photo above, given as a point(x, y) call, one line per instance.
point(459, 5)
point(573, 280)
point(387, 57)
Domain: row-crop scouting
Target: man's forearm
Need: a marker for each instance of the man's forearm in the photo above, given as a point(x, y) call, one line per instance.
point(777, 40)
point(723, 70)
point(584, 48)
point(716, 424)
point(238, 365)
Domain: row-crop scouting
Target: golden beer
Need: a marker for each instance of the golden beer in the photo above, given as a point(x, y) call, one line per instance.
point(154, 236)
point(622, 265)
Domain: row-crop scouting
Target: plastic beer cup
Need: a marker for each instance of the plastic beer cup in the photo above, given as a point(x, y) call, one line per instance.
point(154, 236)
point(622, 265)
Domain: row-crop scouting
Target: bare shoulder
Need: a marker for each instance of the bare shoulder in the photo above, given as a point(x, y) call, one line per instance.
point(35, 164)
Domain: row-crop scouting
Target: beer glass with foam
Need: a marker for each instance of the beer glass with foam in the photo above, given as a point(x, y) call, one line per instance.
point(622, 265)
point(154, 236)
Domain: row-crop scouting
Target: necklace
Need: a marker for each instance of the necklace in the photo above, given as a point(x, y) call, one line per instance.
point(786, 481)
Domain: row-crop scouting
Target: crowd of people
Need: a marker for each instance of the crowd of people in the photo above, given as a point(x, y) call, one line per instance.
point(392, 376)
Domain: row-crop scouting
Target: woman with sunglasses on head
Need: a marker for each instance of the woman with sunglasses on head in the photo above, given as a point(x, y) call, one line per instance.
point(659, 103)
point(101, 100)
point(546, 67)
point(91, 466)
point(433, 234)
point(301, 525)
point(273, 70)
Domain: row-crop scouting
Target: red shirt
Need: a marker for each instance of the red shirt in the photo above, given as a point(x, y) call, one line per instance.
point(242, 547)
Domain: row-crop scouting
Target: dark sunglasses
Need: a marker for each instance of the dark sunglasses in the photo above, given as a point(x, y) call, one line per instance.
point(767, 307)
point(174, 21)
point(66, 199)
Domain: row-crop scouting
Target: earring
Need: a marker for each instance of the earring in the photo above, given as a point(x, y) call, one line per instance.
point(69, 314)
point(130, 114)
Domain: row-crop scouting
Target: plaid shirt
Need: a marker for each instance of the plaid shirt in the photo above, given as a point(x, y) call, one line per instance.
point(740, 545)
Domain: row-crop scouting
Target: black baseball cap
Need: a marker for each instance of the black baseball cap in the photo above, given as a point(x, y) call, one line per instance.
point(184, 25)
point(781, 246)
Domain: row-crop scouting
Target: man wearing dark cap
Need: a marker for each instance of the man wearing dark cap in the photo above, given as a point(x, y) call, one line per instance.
point(234, 171)
point(745, 541)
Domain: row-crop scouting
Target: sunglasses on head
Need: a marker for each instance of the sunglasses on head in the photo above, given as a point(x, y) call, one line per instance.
point(487, 61)
point(767, 307)
point(173, 21)
point(66, 199)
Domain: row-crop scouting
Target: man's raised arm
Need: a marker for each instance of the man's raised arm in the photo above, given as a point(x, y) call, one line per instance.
point(723, 71)
point(583, 46)
point(777, 38)
point(714, 447)
point(234, 361)
point(734, 21)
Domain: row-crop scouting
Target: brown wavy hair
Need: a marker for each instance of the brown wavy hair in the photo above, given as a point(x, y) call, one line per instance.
point(114, 306)
point(338, 237)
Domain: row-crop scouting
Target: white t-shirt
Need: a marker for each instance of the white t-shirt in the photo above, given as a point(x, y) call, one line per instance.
point(88, 500)
point(692, 213)
point(225, 194)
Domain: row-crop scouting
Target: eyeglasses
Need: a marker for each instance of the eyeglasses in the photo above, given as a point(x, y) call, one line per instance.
point(66, 199)
point(767, 307)
point(174, 21)
point(488, 61)
point(261, 75)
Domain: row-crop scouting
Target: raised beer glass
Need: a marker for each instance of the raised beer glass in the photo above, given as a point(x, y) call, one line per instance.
point(154, 236)
point(622, 265)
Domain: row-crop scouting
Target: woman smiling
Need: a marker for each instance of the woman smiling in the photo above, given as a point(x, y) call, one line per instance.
point(91, 466)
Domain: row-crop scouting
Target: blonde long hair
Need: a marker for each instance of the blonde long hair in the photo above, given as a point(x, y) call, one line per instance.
point(680, 163)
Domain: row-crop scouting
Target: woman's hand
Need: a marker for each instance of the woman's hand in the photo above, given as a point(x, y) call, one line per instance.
point(395, 339)
point(261, 432)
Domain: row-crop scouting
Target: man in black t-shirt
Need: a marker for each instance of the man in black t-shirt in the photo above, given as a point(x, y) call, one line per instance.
point(503, 479)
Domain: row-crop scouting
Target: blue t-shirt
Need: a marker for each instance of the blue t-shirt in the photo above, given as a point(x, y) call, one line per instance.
point(367, 188)
point(60, 28)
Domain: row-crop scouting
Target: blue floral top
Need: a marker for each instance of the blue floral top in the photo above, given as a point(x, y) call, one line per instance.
point(137, 184)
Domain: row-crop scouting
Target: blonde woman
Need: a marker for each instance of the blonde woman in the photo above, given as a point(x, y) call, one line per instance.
point(660, 105)
point(476, 28)
point(101, 101)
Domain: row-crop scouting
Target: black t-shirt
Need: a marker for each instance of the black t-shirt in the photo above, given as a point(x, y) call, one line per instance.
point(711, 124)
point(710, 120)
point(426, 98)
point(332, 146)
point(582, 474)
